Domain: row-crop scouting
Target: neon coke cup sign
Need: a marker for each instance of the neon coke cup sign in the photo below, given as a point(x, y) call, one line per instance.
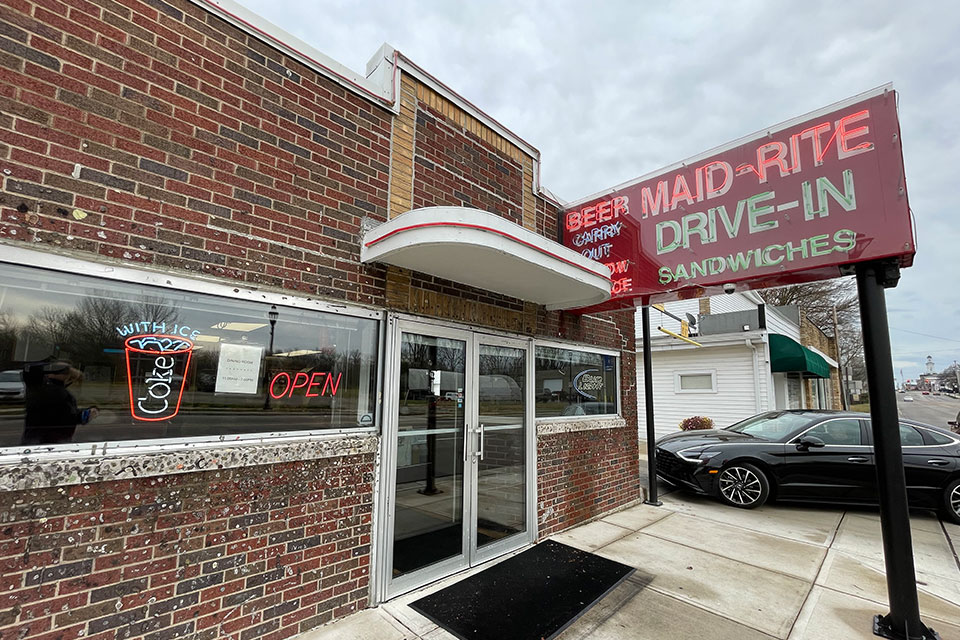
point(157, 368)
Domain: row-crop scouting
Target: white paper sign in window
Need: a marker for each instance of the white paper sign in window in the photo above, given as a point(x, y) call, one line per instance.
point(238, 370)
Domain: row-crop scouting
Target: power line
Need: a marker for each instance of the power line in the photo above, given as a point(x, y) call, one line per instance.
point(925, 335)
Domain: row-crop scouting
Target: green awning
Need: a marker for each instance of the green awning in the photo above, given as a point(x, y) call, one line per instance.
point(786, 354)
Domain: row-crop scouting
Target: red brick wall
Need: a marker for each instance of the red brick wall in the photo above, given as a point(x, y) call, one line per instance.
point(455, 168)
point(190, 146)
point(547, 220)
point(583, 474)
point(586, 473)
point(258, 552)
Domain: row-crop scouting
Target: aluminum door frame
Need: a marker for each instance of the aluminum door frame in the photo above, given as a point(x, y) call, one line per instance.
point(383, 586)
point(517, 541)
point(390, 587)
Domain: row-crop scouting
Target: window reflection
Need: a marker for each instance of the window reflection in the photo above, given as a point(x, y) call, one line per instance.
point(575, 383)
point(84, 359)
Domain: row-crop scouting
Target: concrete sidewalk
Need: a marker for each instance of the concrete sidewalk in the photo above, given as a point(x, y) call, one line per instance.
point(711, 571)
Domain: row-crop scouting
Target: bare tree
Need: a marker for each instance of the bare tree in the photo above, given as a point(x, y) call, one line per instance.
point(949, 377)
point(9, 331)
point(817, 300)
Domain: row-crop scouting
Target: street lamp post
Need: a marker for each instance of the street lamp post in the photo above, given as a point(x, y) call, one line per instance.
point(272, 316)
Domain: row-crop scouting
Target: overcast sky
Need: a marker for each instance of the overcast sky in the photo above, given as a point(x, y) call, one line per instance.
point(619, 89)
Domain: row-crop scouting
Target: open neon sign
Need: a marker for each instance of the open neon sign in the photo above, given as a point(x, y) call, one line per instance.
point(284, 385)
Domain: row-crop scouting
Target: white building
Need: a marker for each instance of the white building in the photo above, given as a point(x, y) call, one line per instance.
point(753, 358)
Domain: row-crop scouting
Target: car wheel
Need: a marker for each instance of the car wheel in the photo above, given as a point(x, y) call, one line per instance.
point(951, 502)
point(743, 485)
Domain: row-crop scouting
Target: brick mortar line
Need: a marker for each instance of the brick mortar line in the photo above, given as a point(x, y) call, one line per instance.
point(249, 236)
point(443, 122)
point(467, 181)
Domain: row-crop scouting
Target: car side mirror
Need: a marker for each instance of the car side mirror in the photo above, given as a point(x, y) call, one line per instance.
point(809, 442)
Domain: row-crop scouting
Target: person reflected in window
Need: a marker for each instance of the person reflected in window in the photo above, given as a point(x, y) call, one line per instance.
point(52, 415)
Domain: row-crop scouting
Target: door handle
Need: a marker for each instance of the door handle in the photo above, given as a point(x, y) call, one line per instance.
point(480, 442)
point(466, 433)
point(858, 459)
point(938, 462)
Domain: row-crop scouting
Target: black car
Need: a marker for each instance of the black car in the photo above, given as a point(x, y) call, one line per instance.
point(806, 455)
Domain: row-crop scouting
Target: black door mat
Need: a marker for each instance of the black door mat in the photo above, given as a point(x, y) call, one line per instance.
point(534, 595)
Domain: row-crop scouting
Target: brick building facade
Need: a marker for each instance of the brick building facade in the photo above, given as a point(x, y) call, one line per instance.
point(168, 141)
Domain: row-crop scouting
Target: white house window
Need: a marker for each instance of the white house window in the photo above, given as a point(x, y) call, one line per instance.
point(696, 382)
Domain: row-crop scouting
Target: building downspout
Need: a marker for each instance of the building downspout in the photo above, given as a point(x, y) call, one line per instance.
point(756, 376)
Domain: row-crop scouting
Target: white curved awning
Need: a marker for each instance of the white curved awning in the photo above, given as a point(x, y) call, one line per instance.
point(486, 251)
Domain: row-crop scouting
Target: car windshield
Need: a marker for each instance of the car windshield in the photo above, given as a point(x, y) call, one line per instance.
point(771, 426)
point(9, 376)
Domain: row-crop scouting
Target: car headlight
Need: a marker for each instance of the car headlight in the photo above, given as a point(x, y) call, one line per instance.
point(698, 455)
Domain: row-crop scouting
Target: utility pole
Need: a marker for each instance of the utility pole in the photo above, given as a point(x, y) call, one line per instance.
point(844, 402)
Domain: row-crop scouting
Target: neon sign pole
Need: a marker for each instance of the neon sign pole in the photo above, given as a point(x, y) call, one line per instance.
point(903, 622)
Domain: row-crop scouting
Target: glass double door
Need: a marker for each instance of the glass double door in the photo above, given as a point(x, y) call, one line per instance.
point(461, 484)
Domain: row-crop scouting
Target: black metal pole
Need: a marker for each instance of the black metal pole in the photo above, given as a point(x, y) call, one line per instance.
point(266, 375)
point(431, 487)
point(903, 622)
point(652, 497)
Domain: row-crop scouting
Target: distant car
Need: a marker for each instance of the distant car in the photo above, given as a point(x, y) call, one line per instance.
point(12, 387)
point(908, 398)
point(926, 393)
point(934, 393)
point(810, 456)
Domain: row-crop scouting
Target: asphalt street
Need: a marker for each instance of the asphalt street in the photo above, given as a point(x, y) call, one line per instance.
point(935, 410)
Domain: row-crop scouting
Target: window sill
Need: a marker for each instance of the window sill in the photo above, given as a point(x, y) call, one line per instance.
point(550, 426)
point(27, 470)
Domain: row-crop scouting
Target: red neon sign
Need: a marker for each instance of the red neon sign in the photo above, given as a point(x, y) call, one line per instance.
point(786, 205)
point(157, 368)
point(287, 384)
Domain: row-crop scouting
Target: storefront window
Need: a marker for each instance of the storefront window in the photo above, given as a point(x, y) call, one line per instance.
point(575, 383)
point(84, 359)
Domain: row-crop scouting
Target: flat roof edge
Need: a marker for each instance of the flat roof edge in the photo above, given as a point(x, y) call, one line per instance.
point(249, 22)
point(377, 86)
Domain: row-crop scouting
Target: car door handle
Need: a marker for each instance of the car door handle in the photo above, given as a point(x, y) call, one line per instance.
point(858, 459)
point(938, 462)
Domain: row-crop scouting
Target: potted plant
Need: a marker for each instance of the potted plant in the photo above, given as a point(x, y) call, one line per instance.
point(696, 422)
